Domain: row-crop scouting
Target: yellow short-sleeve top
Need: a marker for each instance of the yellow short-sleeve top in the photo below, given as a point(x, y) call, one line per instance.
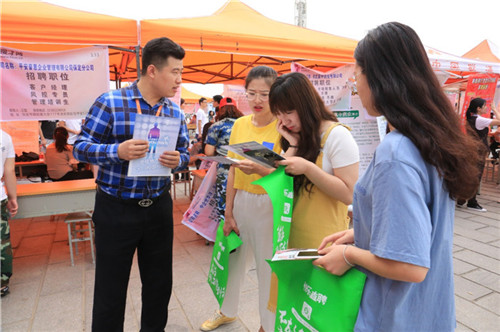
point(244, 131)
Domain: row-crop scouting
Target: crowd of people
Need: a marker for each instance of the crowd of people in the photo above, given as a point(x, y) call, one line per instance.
point(405, 249)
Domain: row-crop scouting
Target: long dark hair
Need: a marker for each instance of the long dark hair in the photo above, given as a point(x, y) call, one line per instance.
point(406, 91)
point(61, 139)
point(473, 106)
point(294, 91)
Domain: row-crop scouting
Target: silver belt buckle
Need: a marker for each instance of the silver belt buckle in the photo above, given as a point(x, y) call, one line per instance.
point(145, 202)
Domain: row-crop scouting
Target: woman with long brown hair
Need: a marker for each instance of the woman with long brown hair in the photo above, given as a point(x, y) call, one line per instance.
point(322, 156)
point(61, 165)
point(403, 206)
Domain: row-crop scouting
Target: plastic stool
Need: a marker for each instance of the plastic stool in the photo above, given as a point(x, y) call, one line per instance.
point(84, 220)
point(183, 177)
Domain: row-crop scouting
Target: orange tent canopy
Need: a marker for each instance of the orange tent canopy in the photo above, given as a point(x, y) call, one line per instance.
point(226, 45)
point(485, 51)
point(189, 96)
point(40, 26)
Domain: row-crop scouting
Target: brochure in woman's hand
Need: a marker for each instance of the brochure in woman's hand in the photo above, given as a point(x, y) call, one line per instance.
point(220, 159)
point(256, 152)
point(293, 254)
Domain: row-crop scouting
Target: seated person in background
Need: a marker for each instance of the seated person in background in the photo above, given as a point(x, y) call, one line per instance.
point(46, 132)
point(61, 165)
point(495, 144)
point(73, 126)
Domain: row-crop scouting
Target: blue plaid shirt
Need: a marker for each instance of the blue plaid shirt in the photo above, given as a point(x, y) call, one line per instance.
point(109, 122)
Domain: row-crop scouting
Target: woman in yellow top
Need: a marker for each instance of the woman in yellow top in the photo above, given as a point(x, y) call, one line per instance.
point(322, 156)
point(248, 208)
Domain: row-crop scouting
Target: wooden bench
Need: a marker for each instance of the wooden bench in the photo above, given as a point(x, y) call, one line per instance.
point(49, 198)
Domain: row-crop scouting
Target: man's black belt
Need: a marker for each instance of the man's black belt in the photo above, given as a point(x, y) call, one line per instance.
point(144, 202)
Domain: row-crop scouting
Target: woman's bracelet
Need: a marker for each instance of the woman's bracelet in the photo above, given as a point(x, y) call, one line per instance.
point(345, 259)
point(294, 146)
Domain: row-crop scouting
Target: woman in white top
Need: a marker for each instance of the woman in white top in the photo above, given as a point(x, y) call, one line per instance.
point(480, 129)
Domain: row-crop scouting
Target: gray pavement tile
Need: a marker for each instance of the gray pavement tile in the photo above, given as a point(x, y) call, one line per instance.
point(196, 301)
point(29, 269)
point(475, 235)
point(494, 231)
point(186, 272)
point(132, 318)
point(490, 302)
point(23, 325)
point(476, 246)
point(177, 321)
point(20, 303)
point(492, 220)
point(62, 277)
point(461, 267)
point(485, 278)
point(462, 328)
point(249, 309)
point(60, 312)
point(200, 253)
point(479, 260)
point(470, 224)
point(469, 290)
point(495, 243)
point(475, 317)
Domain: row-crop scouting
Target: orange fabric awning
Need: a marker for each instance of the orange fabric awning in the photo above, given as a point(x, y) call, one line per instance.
point(484, 52)
point(40, 26)
point(189, 96)
point(226, 45)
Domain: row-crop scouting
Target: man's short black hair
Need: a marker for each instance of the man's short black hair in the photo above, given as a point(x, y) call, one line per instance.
point(157, 51)
point(202, 99)
point(217, 98)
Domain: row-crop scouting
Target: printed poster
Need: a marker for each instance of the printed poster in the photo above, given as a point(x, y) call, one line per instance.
point(366, 130)
point(161, 134)
point(480, 86)
point(334, 86)
point(51, 85)
point(238, 94)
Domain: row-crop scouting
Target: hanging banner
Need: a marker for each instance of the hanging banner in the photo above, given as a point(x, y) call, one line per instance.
point(238, 94)
point(445, 61)
point(311, 299)
point(218, 273)
point(334, 86)
point(480, 86)
point(279, 187)
point(51, 85)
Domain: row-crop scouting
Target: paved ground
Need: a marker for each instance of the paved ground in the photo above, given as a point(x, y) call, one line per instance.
point(48, 294)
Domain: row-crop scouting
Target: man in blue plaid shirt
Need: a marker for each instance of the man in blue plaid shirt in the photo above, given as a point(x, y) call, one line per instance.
point(134, 212)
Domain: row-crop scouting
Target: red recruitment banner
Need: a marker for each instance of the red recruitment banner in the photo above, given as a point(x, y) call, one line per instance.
point(480, 86)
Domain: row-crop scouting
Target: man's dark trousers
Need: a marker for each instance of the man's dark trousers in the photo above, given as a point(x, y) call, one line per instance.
point(120, 228)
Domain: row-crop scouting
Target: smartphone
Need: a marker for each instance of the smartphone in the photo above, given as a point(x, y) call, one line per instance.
point(308, 254)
